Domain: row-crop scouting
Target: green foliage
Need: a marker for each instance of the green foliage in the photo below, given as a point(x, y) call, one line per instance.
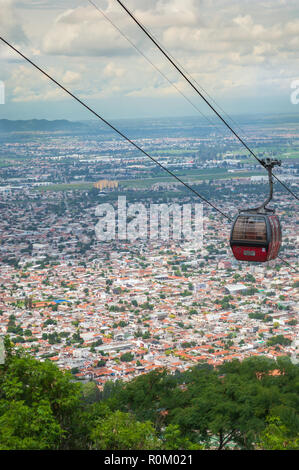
point(277, 437)
point(96, 343)
point(12, 327)
point(173, 440)
point(54, 338)
point(257, 316)
point(251, 404)
point(49, 321)
point(215, 408)
point(90, 392)
point(188, 344)
point(76, 338)
point(37, 403)
point(279, 339)
point(251, 291)
point(24, 427)
point(193, 311)
point(121, 431)
point(127, 357)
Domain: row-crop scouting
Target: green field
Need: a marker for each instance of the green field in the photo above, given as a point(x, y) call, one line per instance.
point(283, 153)
point(66, 187)
point(292, 155)
point(171, 152)
point(4, 163)
point(193, 177)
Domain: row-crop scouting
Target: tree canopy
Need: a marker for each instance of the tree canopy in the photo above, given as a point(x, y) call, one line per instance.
point(251, 404)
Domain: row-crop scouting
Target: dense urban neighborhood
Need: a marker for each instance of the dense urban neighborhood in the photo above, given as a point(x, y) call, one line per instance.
point(121, 308)
point(149, 183)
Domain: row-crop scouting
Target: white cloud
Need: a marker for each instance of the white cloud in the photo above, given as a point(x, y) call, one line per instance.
point(71, 77)
point(114, 71)
point(83, 32)
point(10, 22)
point(228, 46)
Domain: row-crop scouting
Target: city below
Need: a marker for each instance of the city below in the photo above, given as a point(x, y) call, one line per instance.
point(116, 309)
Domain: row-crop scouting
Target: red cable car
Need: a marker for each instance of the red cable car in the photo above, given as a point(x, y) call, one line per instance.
point(255, 237)
point(256, 233)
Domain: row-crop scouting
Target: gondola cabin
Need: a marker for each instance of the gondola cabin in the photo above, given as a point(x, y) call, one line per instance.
point(255, 237)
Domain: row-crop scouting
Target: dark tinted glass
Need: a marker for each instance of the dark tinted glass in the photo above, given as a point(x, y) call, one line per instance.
point(250, 228)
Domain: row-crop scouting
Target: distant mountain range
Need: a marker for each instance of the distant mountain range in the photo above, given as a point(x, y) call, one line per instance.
point(140, 127)
point(42, 125)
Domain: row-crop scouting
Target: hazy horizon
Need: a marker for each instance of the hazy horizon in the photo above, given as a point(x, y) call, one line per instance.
point(211, 116)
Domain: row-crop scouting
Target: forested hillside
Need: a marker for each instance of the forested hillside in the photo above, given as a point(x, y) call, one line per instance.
point(244, 405)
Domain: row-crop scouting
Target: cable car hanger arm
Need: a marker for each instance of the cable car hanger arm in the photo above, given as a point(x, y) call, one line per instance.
point(268, 163)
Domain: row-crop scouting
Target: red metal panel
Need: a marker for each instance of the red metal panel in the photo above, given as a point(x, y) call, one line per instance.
point(276, 237)
point(272, 243)
point(250, 253)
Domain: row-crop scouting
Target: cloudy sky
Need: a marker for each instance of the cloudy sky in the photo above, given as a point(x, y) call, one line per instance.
point(244, 53)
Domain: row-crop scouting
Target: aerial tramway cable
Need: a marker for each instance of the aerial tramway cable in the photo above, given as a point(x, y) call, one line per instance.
point(150, 62)
point(214, 124)
point(114, 128)
point(175, 60)
point(162, 50)
point(119, 132)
